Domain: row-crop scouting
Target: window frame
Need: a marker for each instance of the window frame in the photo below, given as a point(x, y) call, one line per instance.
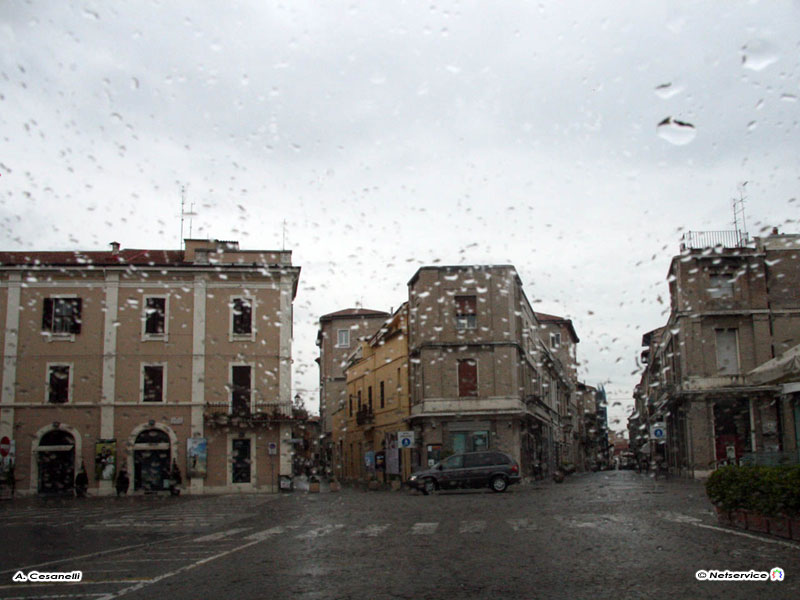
point(555, 340)
point(241, 337)
point(466, 320)
point(142, 380)
point(459, 362)
point(723, 291)
point(738, 365)
point(251, 402)
point(160, 337)
point(76, 324)
point(339, 332)
point(70, 379)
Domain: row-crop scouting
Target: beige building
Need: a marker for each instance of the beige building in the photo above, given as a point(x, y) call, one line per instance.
point(377, 406)
point(141, 358)
point(483, 373)
point(339, 334)
point(734, 306)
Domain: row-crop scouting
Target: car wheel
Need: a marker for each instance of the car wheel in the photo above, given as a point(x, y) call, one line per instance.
point(429, 486)
point(499, 484)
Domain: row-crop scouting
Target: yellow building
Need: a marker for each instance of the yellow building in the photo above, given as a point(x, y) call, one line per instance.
point(377, 406)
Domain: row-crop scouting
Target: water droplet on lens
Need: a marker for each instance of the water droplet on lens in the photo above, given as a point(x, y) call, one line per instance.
point(758, 55)
point(676, 132)
point(665, 91)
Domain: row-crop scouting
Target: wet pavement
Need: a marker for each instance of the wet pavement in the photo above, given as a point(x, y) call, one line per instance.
point(600, 535)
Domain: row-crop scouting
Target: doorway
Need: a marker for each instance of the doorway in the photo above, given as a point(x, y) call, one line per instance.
point(151, 460)
point(56, 462)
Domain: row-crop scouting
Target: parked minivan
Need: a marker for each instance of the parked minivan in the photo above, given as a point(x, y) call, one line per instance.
point(493, 469)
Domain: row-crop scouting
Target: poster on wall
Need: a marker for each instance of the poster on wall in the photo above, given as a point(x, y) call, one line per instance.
point(8, 453)
point(196, 457)
point(105, 455)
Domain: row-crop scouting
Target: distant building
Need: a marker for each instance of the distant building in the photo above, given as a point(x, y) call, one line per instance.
point(377, 406)
point(734, 305)
point(481, 373)
point(339, 334)
point(141, 358)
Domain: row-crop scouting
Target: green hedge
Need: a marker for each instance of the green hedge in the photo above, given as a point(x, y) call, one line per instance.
point(769, 491)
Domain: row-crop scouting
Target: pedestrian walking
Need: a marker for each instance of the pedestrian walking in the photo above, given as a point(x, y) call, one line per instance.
point(122, 482)
point(81, 482)
point(175, 479)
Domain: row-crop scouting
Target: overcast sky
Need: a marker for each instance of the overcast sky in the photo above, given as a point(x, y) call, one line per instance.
point(393, 135)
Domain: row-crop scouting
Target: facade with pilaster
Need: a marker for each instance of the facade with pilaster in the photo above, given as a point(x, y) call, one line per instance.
point(147, 358)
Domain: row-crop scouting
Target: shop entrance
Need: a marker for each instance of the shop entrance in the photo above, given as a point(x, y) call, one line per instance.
point(56, 462)
point(731, 431)
point(151, 461)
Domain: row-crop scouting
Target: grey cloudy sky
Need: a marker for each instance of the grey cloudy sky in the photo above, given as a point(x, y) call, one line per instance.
point(390, 135)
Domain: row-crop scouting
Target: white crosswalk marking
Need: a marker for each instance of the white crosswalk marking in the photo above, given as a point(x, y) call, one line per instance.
point(372, 530)
point(472, 526)
point(522, 524)
point(424, 528)
point(262, 535)
point(221, 534)
point(319, 532)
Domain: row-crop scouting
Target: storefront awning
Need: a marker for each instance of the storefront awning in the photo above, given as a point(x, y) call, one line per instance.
point(781, 369)
point(645, 449)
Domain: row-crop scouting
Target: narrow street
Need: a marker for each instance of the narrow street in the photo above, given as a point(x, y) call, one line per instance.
point(612, 534)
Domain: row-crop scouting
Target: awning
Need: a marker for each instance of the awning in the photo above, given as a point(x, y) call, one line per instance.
point(781, 369)
point(645, 449)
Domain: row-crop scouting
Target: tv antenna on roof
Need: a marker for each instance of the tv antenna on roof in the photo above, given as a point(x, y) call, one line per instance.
point(184, 214)
point(739, 220)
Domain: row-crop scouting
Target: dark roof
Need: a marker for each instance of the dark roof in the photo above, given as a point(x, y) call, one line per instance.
point(545, 318)
point(353, 312)
point(77, 257)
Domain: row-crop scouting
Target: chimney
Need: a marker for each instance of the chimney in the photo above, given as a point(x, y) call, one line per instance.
point(114, 248)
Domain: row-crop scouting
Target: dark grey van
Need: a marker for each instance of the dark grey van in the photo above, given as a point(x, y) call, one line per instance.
point(490, 468)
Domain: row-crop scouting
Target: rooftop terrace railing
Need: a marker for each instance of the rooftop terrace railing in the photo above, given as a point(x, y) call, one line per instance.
point(710, 239)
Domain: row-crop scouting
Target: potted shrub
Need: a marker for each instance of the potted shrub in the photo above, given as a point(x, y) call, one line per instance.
point(313, 484)
point(334, 485)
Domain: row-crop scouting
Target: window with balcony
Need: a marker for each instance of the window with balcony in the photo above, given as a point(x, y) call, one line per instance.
point(467, 378)
point(241, 389)
point(58, 383)
point(466, 312)
point(62, 315)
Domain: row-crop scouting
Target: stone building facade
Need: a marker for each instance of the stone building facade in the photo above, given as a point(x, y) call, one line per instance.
point(734, 306)
point(147, 358)
point(480, 374)
point(338, 335)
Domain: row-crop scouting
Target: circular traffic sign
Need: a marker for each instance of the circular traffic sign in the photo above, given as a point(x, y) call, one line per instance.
point(405, 443)
point(5, 446)
point(658, 432)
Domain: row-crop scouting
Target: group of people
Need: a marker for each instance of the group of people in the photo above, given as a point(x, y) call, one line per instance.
point(123, 482)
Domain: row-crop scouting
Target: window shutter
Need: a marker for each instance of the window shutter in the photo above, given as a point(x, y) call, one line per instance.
point(75, 326)
point(47, 315)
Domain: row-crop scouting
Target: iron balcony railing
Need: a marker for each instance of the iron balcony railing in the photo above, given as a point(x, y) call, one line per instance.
point(364, 416)
point(710, 239)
